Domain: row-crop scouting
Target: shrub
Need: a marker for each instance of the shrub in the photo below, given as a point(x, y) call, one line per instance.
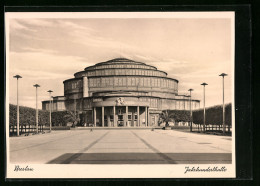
point(214, 115)
point(59, 118)
point(174, 116)
point(27, 116)
point(180, 115)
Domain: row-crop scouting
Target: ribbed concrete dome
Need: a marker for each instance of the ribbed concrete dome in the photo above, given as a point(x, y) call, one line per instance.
point(121, 60)
point(125, 84)
point(120, 63)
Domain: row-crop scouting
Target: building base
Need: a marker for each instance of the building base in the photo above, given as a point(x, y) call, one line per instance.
point(115, 128)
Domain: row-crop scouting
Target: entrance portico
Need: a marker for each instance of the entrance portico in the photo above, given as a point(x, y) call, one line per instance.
point(120, 112)
point(120, 116)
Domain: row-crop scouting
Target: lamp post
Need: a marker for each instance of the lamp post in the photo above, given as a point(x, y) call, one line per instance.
point(190, 110)
point(224, 125)
point(17, 126)
point(204, 117)
point(36, 86)
point(75, 106)
point(50, 91)
point(52, 104)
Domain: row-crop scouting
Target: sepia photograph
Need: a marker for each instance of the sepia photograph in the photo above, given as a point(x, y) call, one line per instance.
point(120, 95)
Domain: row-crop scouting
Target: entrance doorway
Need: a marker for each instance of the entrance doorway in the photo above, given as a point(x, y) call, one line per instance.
point(120, 120)
point(129, 121)
point(106, 121)
point(154, 120)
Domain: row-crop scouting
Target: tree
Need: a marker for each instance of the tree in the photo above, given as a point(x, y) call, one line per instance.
point(165, 117)
point(72, 117)
point(214, 115)
point(59, 119)
point(180, 115)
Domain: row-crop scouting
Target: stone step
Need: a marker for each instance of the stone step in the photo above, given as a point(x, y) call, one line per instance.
point(115, 128)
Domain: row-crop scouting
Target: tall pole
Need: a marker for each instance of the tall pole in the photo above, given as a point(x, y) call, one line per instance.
point(37, 129)
point(75, 106)
point(75, 110)
point(50, 91)
point(52, 104)
point(18, 124)
point(224, 124)
point(190, 111)
point(204, 115)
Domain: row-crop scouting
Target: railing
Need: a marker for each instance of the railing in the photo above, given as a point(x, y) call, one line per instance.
point(211, 128)
point(216, 129)
point(27, 129)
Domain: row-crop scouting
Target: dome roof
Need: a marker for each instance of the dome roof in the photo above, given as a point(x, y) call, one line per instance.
point(121, 60)
point(114, 63)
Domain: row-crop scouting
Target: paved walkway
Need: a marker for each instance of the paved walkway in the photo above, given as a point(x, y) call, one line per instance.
point(120, 147)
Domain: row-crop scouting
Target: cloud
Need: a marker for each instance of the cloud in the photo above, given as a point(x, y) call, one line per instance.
point(31, 22)
point(37, 61)
point(16, 25)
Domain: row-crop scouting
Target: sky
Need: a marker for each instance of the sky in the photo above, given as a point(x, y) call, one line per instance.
point(48, 51)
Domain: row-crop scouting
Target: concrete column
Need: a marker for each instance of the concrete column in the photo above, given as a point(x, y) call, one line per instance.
point(108, 121)
point(75, 106)
point(95, 117)
point(146, 116)
point(138, 113)
point(85, 86)
point(126, 111)
point(133, 119)
point(114, 113)
point(103, 117)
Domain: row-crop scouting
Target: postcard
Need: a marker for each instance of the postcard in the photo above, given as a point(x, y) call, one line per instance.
point(120, 95)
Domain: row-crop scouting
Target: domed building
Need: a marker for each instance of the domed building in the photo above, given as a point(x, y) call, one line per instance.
point(121, 92)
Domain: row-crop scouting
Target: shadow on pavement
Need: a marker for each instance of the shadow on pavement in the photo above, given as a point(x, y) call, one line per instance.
point(143, 158)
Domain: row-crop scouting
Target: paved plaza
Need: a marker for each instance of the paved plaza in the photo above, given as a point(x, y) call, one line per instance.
point(120, 147)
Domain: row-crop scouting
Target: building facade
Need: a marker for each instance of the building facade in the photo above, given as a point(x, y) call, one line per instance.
point(120, 93)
